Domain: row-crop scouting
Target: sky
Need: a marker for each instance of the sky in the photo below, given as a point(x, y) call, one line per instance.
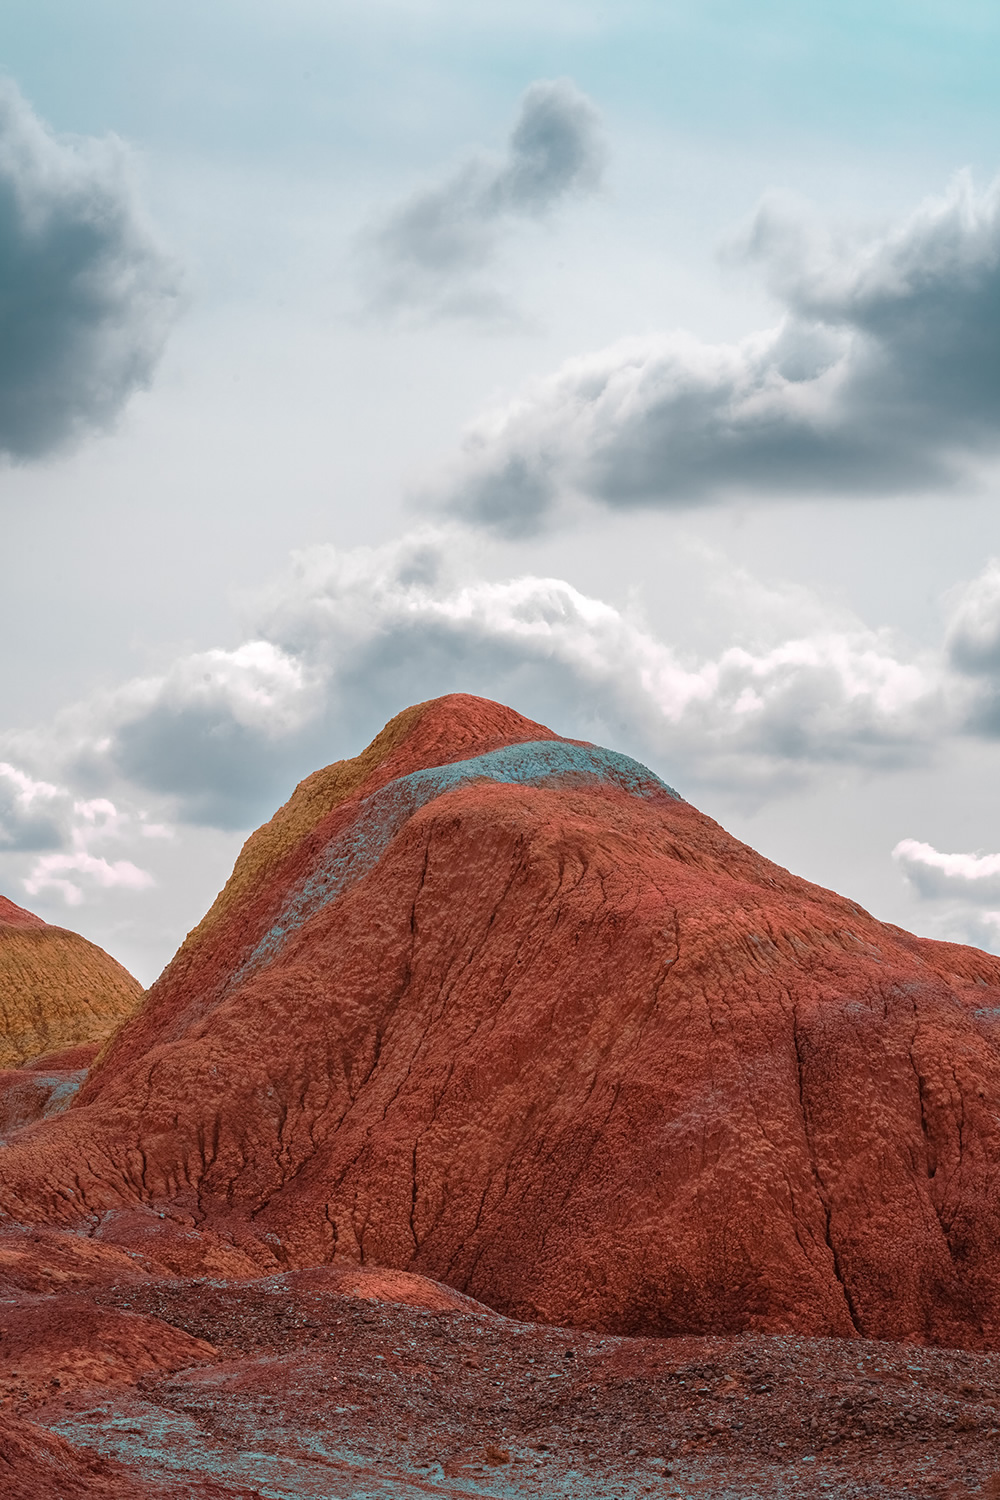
point(637, 365)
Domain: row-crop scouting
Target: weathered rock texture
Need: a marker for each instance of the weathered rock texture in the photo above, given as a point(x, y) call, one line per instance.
point(503, 1010)
point(327, 1382)
point(57, 990)
point(42, 1087)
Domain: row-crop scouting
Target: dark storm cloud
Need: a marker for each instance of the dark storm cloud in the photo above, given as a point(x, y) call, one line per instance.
point(883, 375)
point(426, 251)
point(85, 293)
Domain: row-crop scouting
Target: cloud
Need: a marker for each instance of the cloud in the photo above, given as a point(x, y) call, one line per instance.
point(962, 922)
point(960, 886)
point(427, 251)
point(345, 639)
point(214, 732)
point(973, 645)
point(86, 294)
point(971, 877)
point(882, 374)
point(402, 615)
point(28, 811)
point(980, 928)
point(53, 871)
point(38, 816)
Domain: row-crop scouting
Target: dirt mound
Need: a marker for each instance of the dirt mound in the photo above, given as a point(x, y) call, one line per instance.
point(502, 1010)
point(378, 1284)
point(66, 1341)
point(57, 990)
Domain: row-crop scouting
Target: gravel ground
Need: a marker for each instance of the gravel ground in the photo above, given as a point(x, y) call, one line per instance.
point(312, 1393)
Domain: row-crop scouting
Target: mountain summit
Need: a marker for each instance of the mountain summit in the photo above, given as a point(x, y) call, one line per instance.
point(503, 1009)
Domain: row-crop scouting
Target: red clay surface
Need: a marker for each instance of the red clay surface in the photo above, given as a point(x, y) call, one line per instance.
point(339, 1382)
point(529, 1030)
point(17, 916)
point(577, 1053)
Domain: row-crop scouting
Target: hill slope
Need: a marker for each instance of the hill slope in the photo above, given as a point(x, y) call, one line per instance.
point(502, 1009)
point(57, 990)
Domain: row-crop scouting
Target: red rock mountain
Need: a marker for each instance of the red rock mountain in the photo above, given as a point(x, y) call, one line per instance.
point(503, 1010)
point(57, 990)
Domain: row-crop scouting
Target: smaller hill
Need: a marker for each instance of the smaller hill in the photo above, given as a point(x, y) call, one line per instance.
point(57, 990)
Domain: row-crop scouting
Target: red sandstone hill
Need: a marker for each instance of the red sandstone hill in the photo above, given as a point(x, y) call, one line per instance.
point(501, 1009)
point(57, 990)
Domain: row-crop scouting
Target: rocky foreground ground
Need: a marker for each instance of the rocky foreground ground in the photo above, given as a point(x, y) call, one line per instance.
point(363, 1384)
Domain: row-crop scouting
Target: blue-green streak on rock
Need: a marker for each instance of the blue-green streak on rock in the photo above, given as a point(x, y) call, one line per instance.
point(357, 849)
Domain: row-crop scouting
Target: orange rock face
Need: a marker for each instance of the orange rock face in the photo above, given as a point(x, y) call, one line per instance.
point(502, 1010)
point(57, 990)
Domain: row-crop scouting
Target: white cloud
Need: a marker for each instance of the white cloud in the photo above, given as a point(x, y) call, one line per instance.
point(215, 731)
point(973, 645)
point(207, 738)
point(52, 872)
point(345, 639)
point(963, 892)
point(428, 251)
point(973, 877)
point(37, 816)
point(965, 925)
point(28, 810)
point(382, 616)
point(87, 293)
point(974, 631)
point(882, 374)
point(155, 830)
point(956, 921)
point(258, 685)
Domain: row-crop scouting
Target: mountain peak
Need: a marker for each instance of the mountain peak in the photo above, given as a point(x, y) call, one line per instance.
point(500, 1009)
